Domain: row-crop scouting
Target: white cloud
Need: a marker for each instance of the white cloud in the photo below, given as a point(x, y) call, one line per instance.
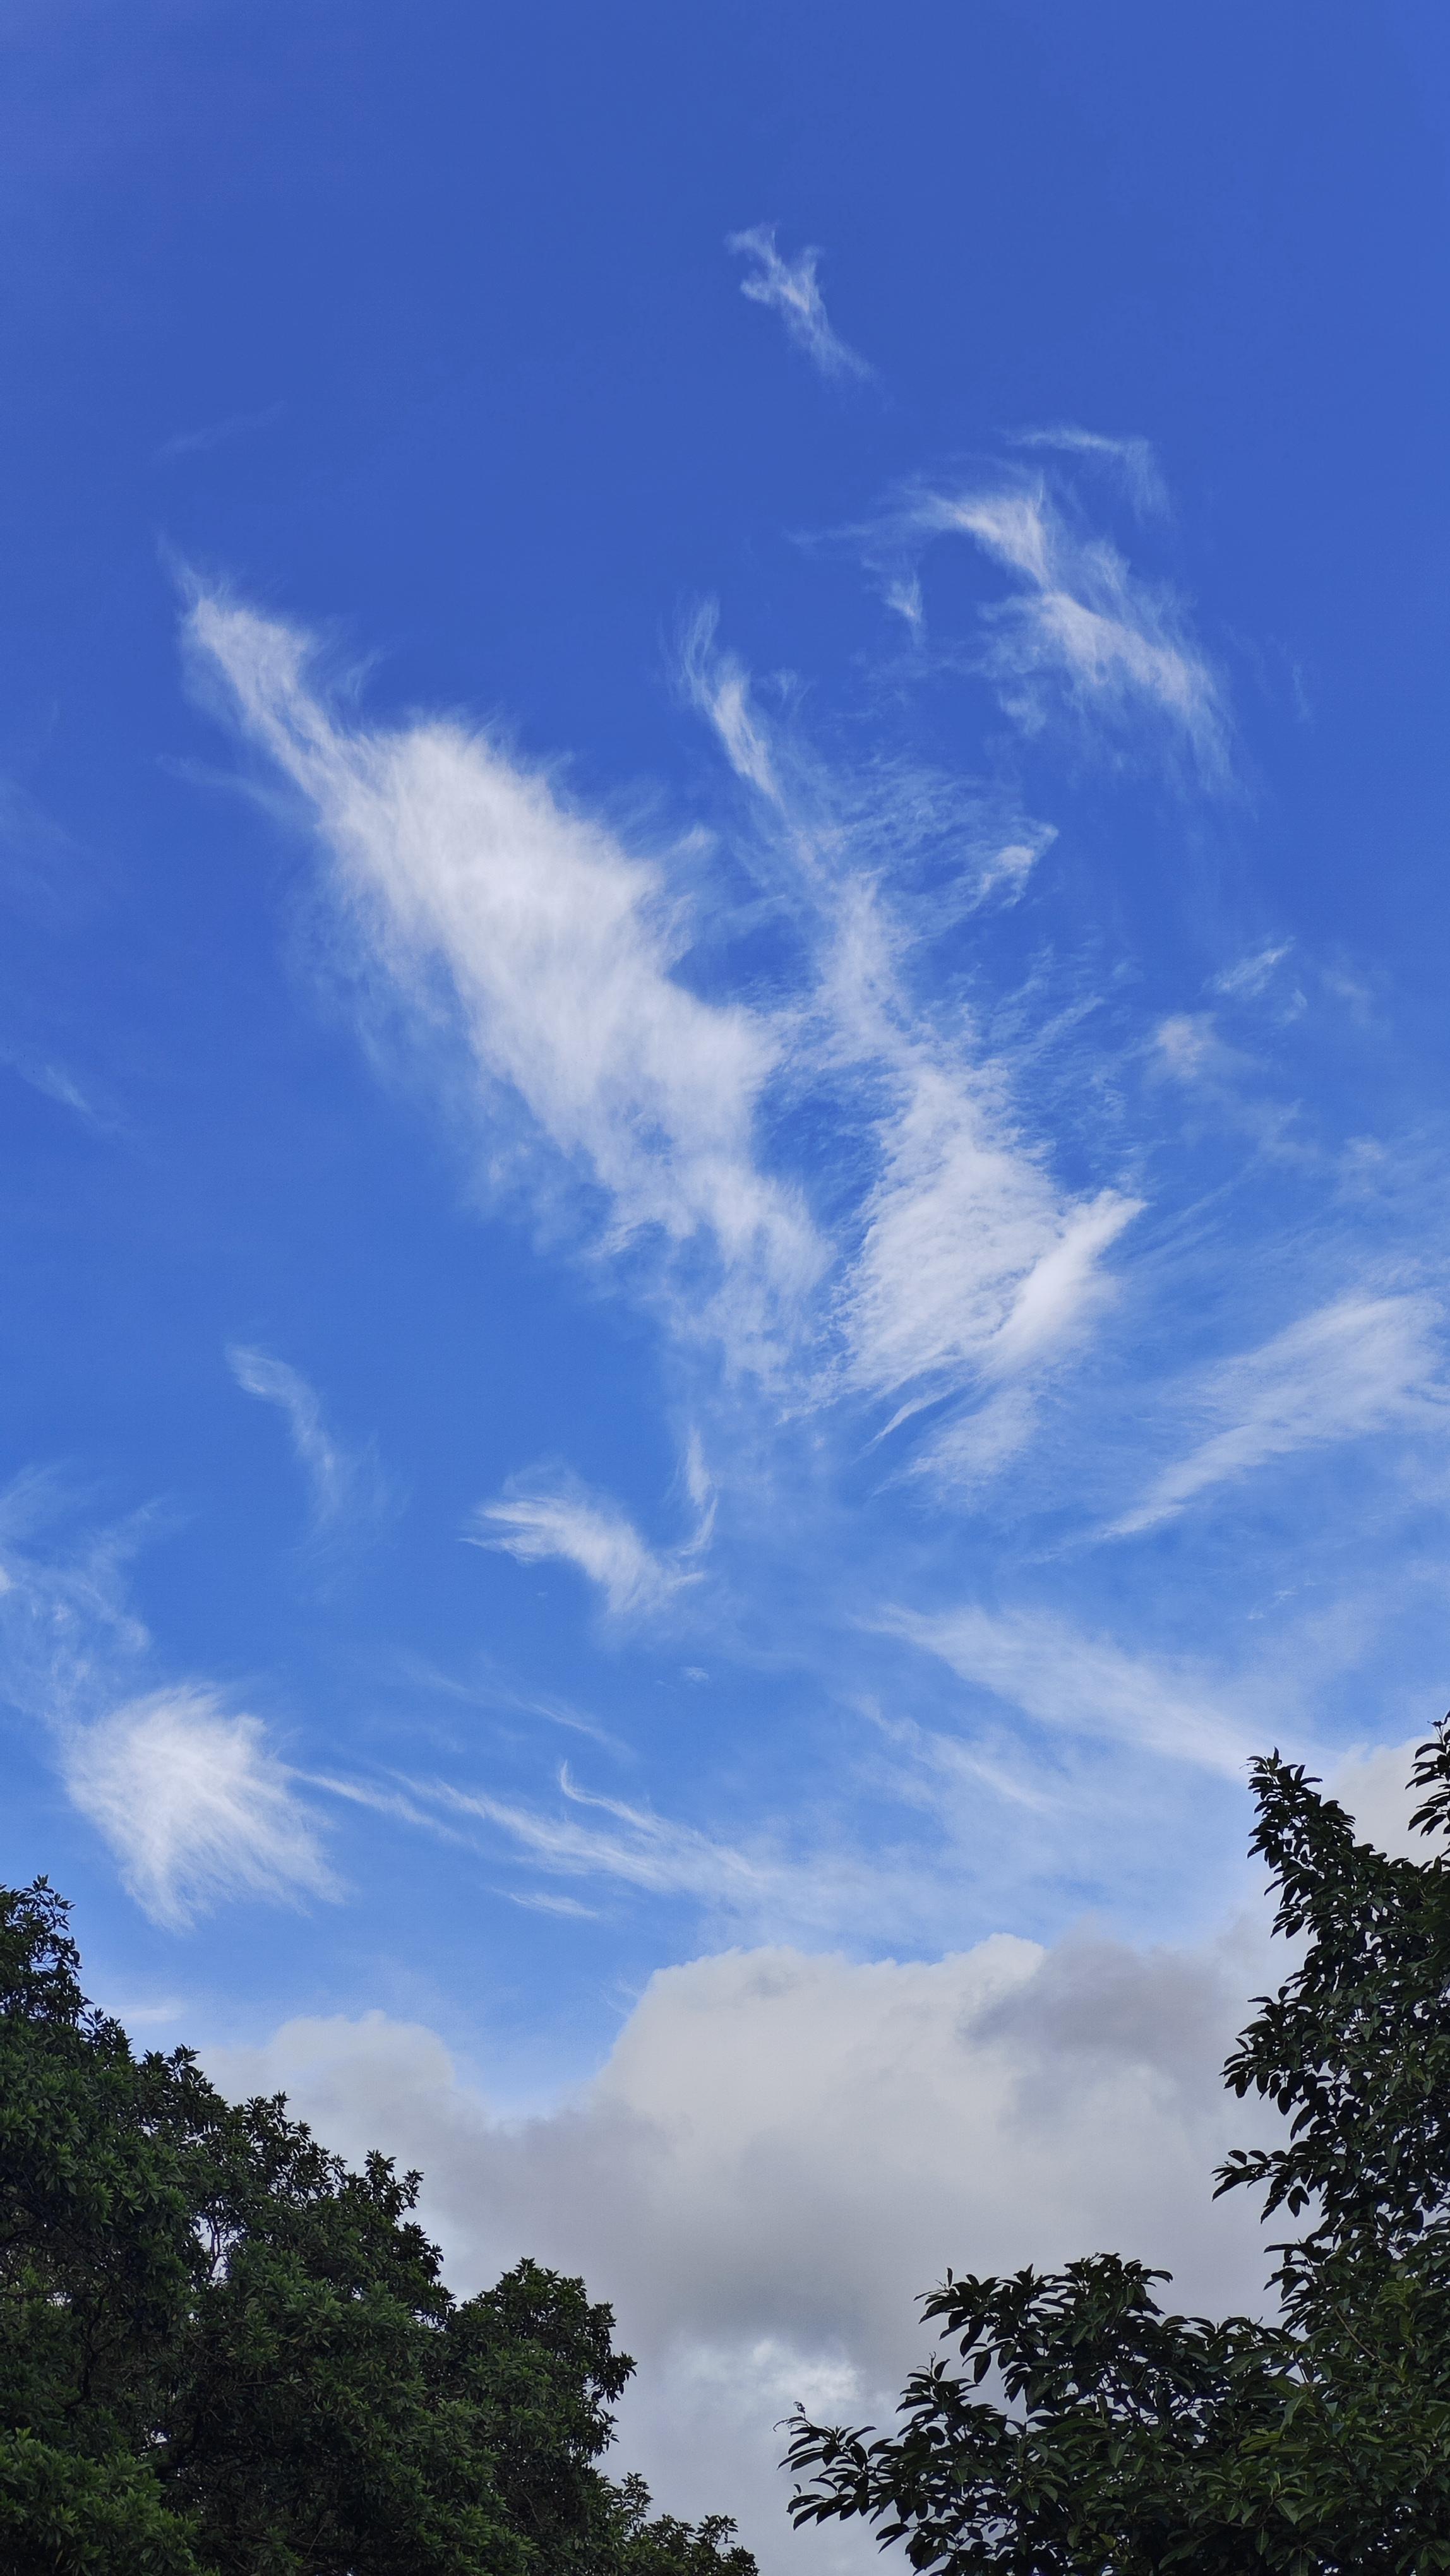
point(1374, 1786)
point(783, 2149)
point(191, 1800)
point(1350, 1368)
point(54, 1083)
point(498, 911)
point(760, 1884)
point(1131, 458)
point(218, 433)
point(67, 1628)
point(194, 1805)
point(789, 288)
point(970, 1258)
point(968, 1262)
point(343, 1482)
point(1248, 978)
point(1080, 626)
point(717, 682)
point(502, 915)
point(588, 1531)
point(1084, 1685)
point(1190, 1050)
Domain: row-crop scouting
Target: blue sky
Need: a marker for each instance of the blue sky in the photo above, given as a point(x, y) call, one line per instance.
point(723, 806)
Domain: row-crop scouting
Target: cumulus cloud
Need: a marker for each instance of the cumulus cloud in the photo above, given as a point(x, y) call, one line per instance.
point(194, 1805)
point(345, 1484)
point(1073, 1682)
point(528, 930)
point(789, 288)
point(783, 2149)
point(1352, 1367)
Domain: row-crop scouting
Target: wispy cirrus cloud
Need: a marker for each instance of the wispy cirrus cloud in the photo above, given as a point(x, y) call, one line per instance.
point(218, 433)
point(1351, 1368)
point(1080, 632)
point(345, 1483)
point(561, 1519)
point(971, 1261)
point(523, 930)
point(608, 1843)
point(1132, 460)
point(789, 287)
point(966, 1261)
point(195, 1805)
point(1246, 979)
point(192, 1798)
point(1071, 1681)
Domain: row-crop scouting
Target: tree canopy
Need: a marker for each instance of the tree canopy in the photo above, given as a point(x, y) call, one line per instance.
point(1089, 2433)
point(222, 2353)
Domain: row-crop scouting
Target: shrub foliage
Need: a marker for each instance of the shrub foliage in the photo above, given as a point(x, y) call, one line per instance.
point(1073, 2428)
point(222, 2353)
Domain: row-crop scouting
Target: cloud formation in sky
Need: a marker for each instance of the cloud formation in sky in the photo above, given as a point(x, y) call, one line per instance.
point(529, 928)
point(1068, 1680)
point(1079, 633)
point(345, 1484)
point(1131, 459)
point(195, 1806)
point(528, 931)
point(966, 1261)
point(1350, 1368)
point(783, 2148)
point(588, 1531)
point(789, 288)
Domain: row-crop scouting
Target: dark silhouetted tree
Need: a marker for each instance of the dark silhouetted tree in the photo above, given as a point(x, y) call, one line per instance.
point(224, 2354)
point(1074, 2429)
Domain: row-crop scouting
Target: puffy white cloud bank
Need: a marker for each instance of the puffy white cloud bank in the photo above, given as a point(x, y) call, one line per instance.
point(783, 2149)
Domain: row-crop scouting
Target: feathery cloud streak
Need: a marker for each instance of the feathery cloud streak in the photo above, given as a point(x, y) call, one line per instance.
point(788, 287)
point(549, 945)
point(1078, 1684)
point(1081, 633)
point(343, 1484)
point(191, 1798)
point(194, 1805)
point(966, 1260)
point(561, 1520)
point(759, 1883)
point(530, 930)
point(1352, 1367)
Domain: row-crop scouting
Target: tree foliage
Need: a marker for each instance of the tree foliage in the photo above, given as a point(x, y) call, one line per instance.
point(1090, 2433)
point(222, 2353)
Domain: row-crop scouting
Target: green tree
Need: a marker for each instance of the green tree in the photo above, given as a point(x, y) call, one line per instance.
point(1091, 2434)
point(224, 2354)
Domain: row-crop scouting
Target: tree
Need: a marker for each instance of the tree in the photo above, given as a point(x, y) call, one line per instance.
point(1090, 2433)
point(222, 2353)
